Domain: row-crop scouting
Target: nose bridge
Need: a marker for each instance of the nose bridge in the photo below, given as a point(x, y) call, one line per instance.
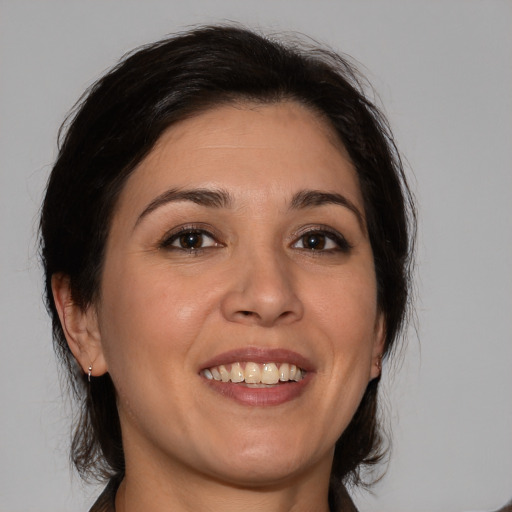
point(264, 290)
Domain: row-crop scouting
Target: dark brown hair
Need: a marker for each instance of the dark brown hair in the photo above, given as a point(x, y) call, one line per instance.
point(118, 122)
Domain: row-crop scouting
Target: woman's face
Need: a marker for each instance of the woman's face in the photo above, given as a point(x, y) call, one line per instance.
point(238, 248)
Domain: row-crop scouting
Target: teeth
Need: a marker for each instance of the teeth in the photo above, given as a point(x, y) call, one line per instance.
point(224, 374)
point(254, 373)
point(270, 374)
point(298, 375)
point(237, 374)
point(284, 372)
point(215, 373)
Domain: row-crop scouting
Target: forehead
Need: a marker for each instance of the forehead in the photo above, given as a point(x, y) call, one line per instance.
point(267, 150)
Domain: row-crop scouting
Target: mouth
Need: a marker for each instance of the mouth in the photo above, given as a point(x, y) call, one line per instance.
point(255, 376)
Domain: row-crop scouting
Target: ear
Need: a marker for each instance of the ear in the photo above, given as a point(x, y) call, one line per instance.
point(378, 346)
point(80, 327)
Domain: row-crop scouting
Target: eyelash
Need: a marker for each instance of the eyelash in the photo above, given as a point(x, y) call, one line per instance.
point(321, 233)
point(171, 238)
point(327, 234)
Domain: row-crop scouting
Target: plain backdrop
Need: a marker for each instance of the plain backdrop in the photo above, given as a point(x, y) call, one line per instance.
point(443, 71)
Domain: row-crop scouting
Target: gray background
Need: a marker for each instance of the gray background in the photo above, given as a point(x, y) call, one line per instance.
point(444, 74)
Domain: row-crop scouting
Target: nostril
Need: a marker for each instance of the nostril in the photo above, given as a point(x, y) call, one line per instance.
point(246, 313)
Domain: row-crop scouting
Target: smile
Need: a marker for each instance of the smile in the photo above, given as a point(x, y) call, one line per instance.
point(255, 376)
point(251, 373)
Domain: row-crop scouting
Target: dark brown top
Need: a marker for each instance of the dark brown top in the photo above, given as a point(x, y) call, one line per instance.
point(506, 508)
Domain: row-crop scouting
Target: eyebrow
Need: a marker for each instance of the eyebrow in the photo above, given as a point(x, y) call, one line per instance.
point(222, 199)
point(311, 198)
point(201, 196)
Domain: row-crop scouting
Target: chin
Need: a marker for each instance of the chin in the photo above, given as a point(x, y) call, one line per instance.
point(268, 464)
point(260, 473)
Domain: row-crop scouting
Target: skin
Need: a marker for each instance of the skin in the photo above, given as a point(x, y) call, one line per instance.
point(164, 311)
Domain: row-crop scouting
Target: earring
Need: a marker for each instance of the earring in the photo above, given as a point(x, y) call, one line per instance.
point(379, 363)
point(89, 373)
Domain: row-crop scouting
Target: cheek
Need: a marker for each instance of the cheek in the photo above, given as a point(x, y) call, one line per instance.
point(148, 324)
point(152, 316)
point(347, 306)
point(348, 318)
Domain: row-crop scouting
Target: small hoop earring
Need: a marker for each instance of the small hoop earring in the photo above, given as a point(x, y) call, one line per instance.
point(89, 374)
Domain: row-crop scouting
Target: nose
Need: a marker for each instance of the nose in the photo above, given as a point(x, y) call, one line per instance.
point(263, 291)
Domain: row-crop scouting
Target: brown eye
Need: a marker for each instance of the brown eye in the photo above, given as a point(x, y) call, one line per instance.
point(322, 241)
point(313, 241)
point(190, 240)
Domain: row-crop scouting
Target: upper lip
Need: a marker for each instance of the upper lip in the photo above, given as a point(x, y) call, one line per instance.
point(260, 355)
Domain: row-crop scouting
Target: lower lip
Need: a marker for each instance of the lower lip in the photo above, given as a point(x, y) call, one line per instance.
point(272, 395)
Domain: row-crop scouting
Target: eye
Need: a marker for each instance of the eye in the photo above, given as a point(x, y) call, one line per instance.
point(189, 240)
point(321, 240)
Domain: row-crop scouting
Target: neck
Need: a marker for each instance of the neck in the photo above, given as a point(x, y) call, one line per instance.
point(186, 491)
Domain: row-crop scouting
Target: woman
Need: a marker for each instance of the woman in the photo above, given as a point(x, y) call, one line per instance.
point(226, 237)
